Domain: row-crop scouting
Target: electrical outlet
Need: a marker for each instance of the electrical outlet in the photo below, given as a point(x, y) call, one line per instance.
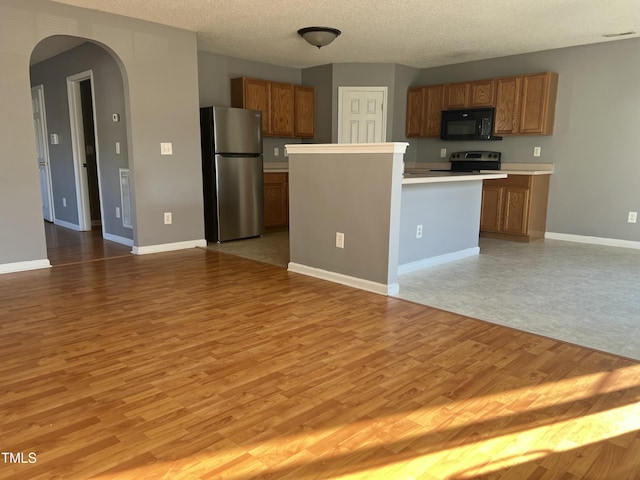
point(117, 212)
point(276, 152)
point(166, 148)
point(339, 240)
point(443, 153)
point(167, 218)
point(536, 151)
point(419, 231)
point(633, 217)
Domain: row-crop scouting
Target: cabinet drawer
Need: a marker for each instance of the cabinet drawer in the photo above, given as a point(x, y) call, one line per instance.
point(510, 181)
point(275, 177)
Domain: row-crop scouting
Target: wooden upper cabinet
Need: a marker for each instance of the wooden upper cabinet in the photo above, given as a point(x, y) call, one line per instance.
point(456, 95)
point(253, 94)
point(304, 111)
point(424, 111)
point(538, 107)
point(482, 93)
point(282, 109)
point(414, 112)
point(432, 99)
point(476, 94)
point(525, 105)
point(507, 105)
point(287, 110)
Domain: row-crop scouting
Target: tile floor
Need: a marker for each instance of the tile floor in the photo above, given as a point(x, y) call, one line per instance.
point(584, 294)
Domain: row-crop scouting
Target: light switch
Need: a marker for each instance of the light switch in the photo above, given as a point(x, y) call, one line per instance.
point(166, 148)
point(54, 139)
point(117, 148)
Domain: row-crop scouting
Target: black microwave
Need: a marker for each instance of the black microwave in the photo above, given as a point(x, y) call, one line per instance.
point(470, 124)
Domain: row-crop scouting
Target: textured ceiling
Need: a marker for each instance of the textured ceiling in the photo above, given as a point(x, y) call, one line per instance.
point(418, 33)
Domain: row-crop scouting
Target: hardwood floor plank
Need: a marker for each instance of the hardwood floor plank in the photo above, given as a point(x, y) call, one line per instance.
point(197, 364)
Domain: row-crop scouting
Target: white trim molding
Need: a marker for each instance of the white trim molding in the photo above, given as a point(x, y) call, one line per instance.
point(362, 284)
point(168, 247)
point(69, 225)
point(386, 147)
point(610, 242)
point(23, 266)
point(118, 239)
point(437, 260)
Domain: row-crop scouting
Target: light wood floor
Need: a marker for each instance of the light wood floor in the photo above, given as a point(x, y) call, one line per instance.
point(198, 364)
point(66, 246)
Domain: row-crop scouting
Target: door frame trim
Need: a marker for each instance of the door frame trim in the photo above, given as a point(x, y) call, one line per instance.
point(77, 143)
point(385, 96)
point(45, 139)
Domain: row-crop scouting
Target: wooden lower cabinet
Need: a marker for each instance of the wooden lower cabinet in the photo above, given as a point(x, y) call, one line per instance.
point(276, 199)
point(515, 208)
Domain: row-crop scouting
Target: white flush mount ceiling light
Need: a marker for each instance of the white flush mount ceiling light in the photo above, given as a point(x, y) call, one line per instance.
point(319, 36)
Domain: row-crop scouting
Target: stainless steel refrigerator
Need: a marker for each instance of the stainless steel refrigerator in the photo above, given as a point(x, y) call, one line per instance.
point(231, 141)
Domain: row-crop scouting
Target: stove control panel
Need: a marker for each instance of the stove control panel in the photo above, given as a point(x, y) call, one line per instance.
point(477, 155)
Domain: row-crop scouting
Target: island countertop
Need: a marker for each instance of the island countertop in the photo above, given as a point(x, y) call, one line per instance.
point(435, 177)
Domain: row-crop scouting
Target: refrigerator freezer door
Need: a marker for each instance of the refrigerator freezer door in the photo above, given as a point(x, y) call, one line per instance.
point(237, 130)
point(240, 192)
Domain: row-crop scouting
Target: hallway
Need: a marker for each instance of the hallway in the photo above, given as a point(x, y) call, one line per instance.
point(66, 246)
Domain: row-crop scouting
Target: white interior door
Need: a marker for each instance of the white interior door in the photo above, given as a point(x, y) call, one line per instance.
point(42, 148)
point(362, 117)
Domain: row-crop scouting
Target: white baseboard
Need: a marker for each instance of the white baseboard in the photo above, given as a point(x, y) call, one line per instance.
point(362, 284)
point(610, 242)
point(168, 247)
point(437, 260)
point(23, 266)
point(64, 224)
point(118, 239)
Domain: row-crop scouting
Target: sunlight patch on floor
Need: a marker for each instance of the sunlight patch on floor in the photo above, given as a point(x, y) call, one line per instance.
point(405, 445)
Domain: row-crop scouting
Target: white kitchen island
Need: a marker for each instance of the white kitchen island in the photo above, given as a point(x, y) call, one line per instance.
point(353, 216)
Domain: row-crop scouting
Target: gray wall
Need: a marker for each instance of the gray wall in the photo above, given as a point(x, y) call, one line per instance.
point(329, 193)
point(322, 79)
point(214, 75)
point(595, 143)
point(109, 99)
point(161, 103)
point(452, 207)
point(327, 79)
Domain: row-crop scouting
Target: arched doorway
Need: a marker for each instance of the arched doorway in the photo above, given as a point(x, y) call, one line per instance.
point(83, 132)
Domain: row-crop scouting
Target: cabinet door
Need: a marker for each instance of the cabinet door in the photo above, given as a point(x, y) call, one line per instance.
point(256, 96)
point(276, 200)
point(432, 98)
point(516, 210)
point(304, 111)
point(535, 104)
point(482, 93)
point(456, 95)
point(491, 213)
point(507, 105)
point(282, 109)
point(414, 112)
